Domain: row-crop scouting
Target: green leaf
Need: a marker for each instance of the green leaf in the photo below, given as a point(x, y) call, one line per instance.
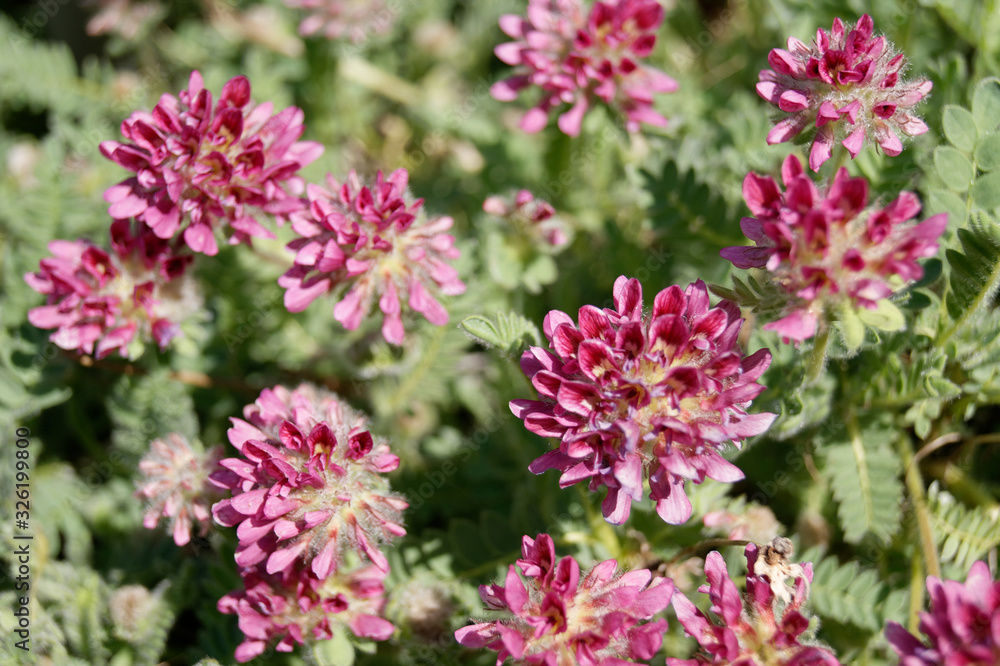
point(502, 261)
point(937, 386)
point(964, 534)
point(943, 201)
point(336, 651)
point(852, 329)
point(986, 191)
point(864, 476)
point(916, 300)
point(954, 168)
point(506, 331)
point(541, 271)
point(932, 271)
point(986, 105)
point(988, 152)
point(959, 127)
point(885, 317)
point(847, 593)
point(975, 270)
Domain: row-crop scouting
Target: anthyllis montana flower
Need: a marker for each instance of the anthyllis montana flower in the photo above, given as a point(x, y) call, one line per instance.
point(296, 608)
point(534, 219)
point(963, 625)
point(372, 242)
point(205, 167)
point(175, 482)
point(552, 616)
point(309, 486)
point(356, 20)
point(826, 249)
point(634, 397)
point(578, 57)
point(768, 630)
point(847, 85)
point(104, 301)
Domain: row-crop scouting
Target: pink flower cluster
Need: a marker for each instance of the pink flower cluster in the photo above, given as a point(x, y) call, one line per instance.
point(551, 616)
point(848, 86)
point(963, 625)
point(578, 57)
point(634, 398)
point(768, 631)
point(371, 242)
point(101, 302)
point(204, 169)
point(293, 609)
point(176, 484)
point(825, 247)
point(356, 20)
point(308, 485)
point(533, 218)
point(310, 502)
point(202, 166)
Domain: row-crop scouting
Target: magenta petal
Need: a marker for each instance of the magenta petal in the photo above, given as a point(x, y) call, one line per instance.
point(855, 141)
point(571, 121)
point(675, 508)
point(476, 635)
point(282, 559)
point(797, 326)
point(616, 506)
point(371, 626)
point(534, 121)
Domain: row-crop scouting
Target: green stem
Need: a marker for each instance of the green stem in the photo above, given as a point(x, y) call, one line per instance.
point(915, 485)
point(403, 395)
point(817, 359)
point(707, 544)
point(916, 594)
point(840, 155)
point(488, 566)
point(360, 71)
point(962, 485)
point(599, 527)
point(861, 460)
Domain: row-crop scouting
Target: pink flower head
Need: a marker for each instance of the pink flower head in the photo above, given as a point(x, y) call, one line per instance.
point(963, 625)
point(126, 18)
point(309, 486)
point(533, 218)
point(175, 481)
point(577, 57)
point(825, 247)
point(768, 630)
point(297, 607)
point(356, 20)
point(553, 617)
point(202, 166)
point(634, 397)
point(366, 243)
point(102, 301)
point(848, 86)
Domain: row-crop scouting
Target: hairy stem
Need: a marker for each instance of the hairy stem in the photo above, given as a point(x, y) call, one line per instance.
point(915, 486)
point(916, 594)
point(817, 359)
